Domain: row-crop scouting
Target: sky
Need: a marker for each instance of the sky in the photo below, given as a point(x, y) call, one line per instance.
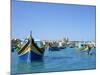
point(50, 21)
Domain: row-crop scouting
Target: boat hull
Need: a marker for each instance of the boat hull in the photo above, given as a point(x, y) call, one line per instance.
point(31, 56)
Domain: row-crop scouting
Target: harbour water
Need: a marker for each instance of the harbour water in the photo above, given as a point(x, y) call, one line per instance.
point(68, 59)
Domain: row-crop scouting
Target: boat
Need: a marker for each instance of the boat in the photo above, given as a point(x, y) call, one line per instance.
point(54, 49)
point(30, 51)
point(87, 48)
point(12, 49)
point(62, 47)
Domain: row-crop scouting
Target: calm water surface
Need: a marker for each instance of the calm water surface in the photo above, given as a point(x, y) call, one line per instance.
point(64, 60)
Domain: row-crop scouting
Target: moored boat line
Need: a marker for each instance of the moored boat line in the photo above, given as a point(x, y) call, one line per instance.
point(29, 46)
point(64, 43)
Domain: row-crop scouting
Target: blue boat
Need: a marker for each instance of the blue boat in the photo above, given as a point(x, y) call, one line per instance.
point(30, 51)
point(54, 49)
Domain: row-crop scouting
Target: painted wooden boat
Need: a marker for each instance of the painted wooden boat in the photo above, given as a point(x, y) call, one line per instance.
point(30, 51)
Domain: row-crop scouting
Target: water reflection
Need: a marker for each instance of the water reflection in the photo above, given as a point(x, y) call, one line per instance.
point(27, 67)
point(67, 59)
